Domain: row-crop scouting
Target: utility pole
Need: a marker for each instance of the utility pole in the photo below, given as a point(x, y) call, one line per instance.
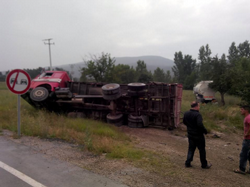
point(49, 50)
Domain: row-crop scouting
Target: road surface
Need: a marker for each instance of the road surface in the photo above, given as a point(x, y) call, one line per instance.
point(24, 167)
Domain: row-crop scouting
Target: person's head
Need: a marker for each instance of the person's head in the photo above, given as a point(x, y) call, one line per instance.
point(244, 109)
point(195, 105)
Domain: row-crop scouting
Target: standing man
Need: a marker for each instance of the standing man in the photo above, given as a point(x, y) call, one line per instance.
point(245, 151)
point(196, 130)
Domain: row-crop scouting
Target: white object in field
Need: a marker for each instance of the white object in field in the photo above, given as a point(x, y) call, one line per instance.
point(202, 90)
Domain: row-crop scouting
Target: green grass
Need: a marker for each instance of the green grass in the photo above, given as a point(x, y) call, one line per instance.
point(215, 116)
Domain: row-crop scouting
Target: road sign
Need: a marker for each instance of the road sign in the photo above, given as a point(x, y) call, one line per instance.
point(18, 81)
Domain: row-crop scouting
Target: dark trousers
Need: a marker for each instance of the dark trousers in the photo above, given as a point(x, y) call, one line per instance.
point(245, 155)
point(198, 142)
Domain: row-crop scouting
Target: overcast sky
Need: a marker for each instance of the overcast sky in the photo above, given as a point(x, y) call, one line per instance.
point(123, 28)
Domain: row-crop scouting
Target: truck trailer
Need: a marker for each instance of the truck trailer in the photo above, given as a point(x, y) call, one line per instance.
point(135, 104)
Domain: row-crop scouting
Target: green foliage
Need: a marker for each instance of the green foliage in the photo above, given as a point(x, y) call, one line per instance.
point(143, 75)
point(222, 83)
point(2, 77)
point(183, 68)
point(141, 67)
point(168, 77)
point(100, 68)
point(233, 53)
point(34, 72)
point(204, 64)
point(244, 49)
point(241, 77)
point(159, 75)
point(178, 68)
point(190, 80)
point(124, 74)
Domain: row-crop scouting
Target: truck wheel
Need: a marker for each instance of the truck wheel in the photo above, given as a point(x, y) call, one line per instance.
point(39, 94)
point(135, 121)
point(115, 119)
point(111, 91)
point(136, 86)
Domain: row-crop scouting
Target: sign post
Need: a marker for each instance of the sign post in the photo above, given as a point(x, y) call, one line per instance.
point(18, 82)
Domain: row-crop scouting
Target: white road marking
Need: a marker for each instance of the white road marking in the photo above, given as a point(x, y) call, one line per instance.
point(20, 175)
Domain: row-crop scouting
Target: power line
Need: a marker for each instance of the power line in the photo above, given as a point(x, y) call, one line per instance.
point(49, 50)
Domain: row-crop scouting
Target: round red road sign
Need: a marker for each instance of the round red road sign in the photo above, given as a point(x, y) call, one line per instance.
point(18, 81)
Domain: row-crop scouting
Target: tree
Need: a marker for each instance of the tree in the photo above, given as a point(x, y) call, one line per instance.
point(204, 64)
point(83, 77)
point(2, 77)
point(239, 58)
point(178, 68)
point(141, 67)
point(244, 49)
point(190, 80)
point(124, 74)
point(159, 75)
point(143, 75)
point(100, 68)
point(221, 76)
point(183, 68)
point(34, 72)
point(168, 78)
point(233, 53)
point(240, 75)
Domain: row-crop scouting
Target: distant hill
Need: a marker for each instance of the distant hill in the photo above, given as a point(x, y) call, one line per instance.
point(152, 63)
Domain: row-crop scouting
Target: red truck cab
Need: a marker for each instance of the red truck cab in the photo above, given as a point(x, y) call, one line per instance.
point(51, 80)
point(45, 84)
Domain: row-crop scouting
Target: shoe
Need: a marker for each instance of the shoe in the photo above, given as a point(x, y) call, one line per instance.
point(239, 171)
point(207, 167)
point(188, 165)
point(248, 172)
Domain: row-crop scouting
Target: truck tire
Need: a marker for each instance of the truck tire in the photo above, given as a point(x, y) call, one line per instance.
point(115, 119)
point(111, 91)
point(39, 94)
point(136, 86)
point(135, 121)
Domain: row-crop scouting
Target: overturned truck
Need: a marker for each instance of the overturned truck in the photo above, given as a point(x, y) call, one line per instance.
point(134, 104)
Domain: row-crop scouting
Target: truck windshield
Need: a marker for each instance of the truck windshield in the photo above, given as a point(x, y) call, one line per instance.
point(46, 74)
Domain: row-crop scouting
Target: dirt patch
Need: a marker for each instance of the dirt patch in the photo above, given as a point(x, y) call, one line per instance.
point(222, 151)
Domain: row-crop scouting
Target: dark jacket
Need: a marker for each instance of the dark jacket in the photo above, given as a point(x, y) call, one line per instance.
point(193, 120)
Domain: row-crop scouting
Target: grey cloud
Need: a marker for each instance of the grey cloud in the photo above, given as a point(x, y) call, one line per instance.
point(121, 28)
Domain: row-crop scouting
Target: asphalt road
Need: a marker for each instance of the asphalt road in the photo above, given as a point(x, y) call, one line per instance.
point(23, 167)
